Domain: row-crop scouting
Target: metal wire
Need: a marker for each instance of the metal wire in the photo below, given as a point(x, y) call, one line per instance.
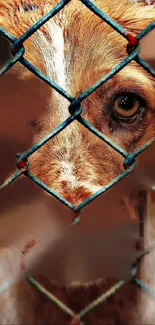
point(75, 109)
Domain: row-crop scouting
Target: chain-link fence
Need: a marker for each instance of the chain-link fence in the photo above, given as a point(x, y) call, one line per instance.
point(75, 110)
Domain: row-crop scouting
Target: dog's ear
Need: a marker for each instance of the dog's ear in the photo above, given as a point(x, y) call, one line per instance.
point(137, 15)
point(133, 15)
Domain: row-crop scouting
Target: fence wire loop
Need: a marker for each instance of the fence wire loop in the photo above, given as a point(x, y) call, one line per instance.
point(76, 320)
point(23, 165)
point(75, 110)
point(76, 217)
point(129, 161)
point(15, 49)
point(132, 44)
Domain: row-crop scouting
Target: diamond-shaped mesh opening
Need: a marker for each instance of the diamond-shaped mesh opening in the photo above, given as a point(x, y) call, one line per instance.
point(75, 157)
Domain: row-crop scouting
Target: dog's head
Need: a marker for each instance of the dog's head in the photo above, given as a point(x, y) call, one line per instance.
point(76, 49)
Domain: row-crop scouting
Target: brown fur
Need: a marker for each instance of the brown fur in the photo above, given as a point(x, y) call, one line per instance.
point(92, 48)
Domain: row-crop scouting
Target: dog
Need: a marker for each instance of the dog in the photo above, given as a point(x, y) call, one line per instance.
point(75, 49)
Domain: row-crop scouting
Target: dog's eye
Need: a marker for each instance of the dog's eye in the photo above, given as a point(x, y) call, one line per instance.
point(126, 106)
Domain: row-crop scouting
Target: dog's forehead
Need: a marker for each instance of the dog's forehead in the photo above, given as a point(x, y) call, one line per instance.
point(87, 42)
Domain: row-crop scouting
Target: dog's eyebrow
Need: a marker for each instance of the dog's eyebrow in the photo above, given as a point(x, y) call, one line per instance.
point(140, 82)
point(136, 74)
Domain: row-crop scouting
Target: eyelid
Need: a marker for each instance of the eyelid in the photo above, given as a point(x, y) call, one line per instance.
point(140, 96)
point(114, 90)
point(130, 119)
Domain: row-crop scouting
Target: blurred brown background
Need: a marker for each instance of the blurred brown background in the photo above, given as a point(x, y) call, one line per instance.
point(25, 210)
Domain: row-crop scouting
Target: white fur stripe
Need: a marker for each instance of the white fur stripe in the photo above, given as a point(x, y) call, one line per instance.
point(55, 64)
point(67, 175)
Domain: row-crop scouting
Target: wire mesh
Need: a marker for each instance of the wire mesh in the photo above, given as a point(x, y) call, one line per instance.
point(75, 109)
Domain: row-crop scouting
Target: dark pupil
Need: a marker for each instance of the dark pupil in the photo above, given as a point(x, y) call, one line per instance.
point(126, 102)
